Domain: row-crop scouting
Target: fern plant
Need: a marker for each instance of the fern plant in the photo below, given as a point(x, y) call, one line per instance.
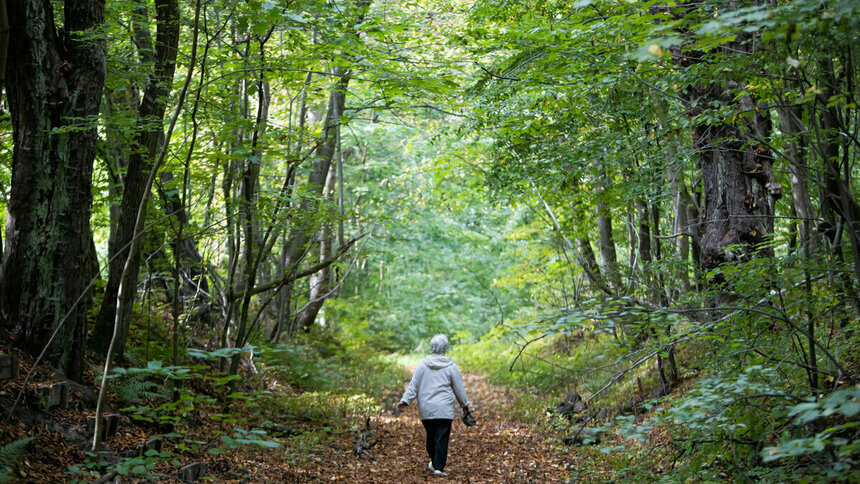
point(135, 387)
point(10, 454)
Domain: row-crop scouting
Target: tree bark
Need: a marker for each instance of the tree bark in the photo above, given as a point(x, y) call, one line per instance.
point(681, 200)
point(737, 214)
point(682, 228)
point(644, 235)
point(285, 292)
point(248, 214)
point(604, 231)
point(54, 92)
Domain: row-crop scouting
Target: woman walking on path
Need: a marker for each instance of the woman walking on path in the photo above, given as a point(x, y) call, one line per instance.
point(436, 384)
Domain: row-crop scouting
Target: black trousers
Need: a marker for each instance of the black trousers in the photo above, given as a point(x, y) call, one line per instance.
point(438, 433)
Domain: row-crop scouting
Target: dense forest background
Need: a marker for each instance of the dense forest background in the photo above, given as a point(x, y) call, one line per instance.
point(641, 218)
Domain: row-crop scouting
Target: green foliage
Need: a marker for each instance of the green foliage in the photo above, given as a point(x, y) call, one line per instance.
point(719, 422)
point(157, 399)
point(430, 264)
point(10, 454)
point(481, 146)
point(345, 372)
point(170, 411)
point(306, 446)
point(300, 365)
point(835, 449)
point(242, 437)
point(149, 383)
point(138, 467)
point(217, 354)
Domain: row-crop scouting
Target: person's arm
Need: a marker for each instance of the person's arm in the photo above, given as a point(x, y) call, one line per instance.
point(459, 391)
point(411, 389)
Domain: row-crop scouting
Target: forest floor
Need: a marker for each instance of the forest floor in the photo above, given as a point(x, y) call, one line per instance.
point(497, 449)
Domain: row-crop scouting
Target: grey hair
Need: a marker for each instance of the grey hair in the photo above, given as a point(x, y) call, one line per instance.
point(439, 344)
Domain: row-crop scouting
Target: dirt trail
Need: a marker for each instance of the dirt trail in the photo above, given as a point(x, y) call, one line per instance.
point(497, 449)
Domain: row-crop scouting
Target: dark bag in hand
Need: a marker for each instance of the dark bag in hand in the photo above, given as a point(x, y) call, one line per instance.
point(468, 418)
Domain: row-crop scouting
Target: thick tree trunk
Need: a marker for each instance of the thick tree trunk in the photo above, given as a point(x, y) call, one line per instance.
point(739, 189)
point(54, 91)
point(150, 121)
point(737, 215)
point(737, 180)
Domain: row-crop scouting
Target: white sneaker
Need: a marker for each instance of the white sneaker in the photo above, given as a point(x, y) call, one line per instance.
point(440, 473)
point(430, 466)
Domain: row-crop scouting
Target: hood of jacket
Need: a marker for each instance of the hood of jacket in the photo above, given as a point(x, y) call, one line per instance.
point(437, 362)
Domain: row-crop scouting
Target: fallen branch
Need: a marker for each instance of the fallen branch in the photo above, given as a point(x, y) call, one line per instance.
point(109, 477)
point(365, 440)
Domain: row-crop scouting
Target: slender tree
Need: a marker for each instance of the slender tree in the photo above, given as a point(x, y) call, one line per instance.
point(150, 122)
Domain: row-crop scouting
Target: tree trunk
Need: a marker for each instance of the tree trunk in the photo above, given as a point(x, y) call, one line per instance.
point(604, 230)
point(680, 197)
point(184, 248)
point(795, 151)
point(285, 293)
point(644, 236)
point(837, 196)
point(319, 281)
point(55, 87)
point(682, 228)
point(737, 214)
point(248, 214)
point(300, 233)
point(149, 124)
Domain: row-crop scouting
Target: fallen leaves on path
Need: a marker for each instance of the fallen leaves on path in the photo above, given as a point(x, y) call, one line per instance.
point(497, 449)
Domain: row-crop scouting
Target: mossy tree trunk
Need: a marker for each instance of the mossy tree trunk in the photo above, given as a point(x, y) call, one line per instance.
point(55, 83)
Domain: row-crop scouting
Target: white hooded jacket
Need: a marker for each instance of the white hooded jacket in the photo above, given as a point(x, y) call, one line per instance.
point(436, 383)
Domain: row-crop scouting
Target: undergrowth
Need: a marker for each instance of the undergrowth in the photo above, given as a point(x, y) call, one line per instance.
point(766, 391)
point(10, 454)
point(552, 367)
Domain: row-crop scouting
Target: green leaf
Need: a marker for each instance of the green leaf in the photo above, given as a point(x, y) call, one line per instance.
point(296, 18)
point(849, 409)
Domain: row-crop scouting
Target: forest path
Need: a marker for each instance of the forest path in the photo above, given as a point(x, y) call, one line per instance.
point(497, 449)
